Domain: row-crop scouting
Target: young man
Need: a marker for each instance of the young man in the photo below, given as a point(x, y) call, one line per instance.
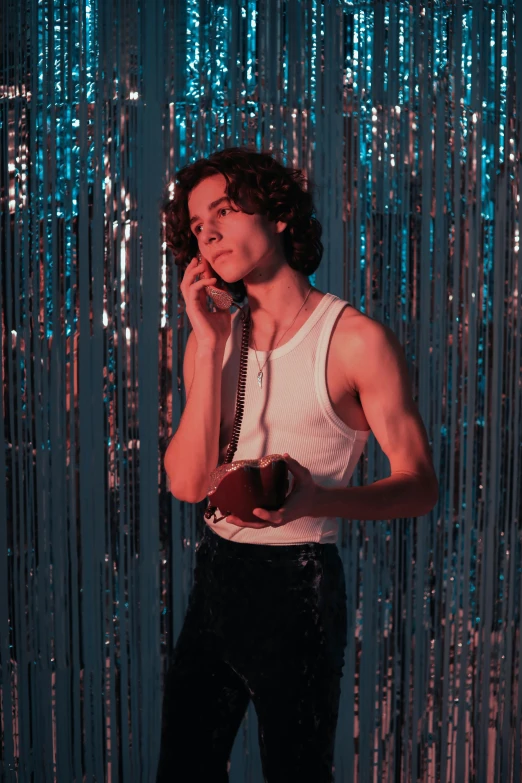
point(266, 618)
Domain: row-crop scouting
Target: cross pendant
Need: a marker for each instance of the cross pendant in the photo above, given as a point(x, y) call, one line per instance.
point(260, 379)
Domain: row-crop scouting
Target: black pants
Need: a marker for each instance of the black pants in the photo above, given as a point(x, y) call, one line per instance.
point(266, 623)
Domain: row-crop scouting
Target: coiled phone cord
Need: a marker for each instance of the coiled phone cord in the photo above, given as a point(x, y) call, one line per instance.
point(240, 402)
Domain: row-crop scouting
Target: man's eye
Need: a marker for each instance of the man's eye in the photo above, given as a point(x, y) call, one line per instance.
point(223, 209)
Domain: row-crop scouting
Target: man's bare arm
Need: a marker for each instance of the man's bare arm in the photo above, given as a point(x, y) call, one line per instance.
point(379, 372)
point(384, 388)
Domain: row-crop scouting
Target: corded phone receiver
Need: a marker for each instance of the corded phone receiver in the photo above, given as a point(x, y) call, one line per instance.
point(222, 299)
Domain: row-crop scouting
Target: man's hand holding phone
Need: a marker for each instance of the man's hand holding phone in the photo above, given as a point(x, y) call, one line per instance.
point(210, 329)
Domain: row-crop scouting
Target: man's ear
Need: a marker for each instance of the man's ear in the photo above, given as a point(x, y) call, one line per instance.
point(280, 226)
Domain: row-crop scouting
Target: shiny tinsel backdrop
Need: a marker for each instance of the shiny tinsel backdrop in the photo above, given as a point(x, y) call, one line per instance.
point(407, 117)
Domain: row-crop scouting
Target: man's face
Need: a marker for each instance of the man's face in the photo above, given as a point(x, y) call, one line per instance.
point(250, 241)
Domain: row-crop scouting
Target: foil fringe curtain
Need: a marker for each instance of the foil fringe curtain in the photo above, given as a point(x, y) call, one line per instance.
point(407, 116)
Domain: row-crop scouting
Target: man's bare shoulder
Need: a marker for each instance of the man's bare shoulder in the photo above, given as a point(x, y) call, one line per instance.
point(362, 341)
point(357, 334)
point(362, 327)
point(354, 323)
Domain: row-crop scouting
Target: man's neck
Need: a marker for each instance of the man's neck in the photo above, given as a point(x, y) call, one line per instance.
point(273, 306)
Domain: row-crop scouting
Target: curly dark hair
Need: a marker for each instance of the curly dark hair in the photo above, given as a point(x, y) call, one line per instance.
point(256, 183)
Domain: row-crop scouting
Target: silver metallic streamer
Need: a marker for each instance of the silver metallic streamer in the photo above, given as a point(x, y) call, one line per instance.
point(407, 116)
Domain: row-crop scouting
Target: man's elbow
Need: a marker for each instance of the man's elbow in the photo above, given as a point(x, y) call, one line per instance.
point(183, 493)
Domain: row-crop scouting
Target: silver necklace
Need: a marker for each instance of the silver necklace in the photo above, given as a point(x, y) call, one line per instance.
point(260, 373)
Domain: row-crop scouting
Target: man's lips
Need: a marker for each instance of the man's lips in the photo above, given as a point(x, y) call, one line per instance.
point(222, 253)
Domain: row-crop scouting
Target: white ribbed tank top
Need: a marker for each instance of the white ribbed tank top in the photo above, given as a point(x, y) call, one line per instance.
point(291, 413)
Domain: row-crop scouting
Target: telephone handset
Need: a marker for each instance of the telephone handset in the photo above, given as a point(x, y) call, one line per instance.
point(222, 299)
